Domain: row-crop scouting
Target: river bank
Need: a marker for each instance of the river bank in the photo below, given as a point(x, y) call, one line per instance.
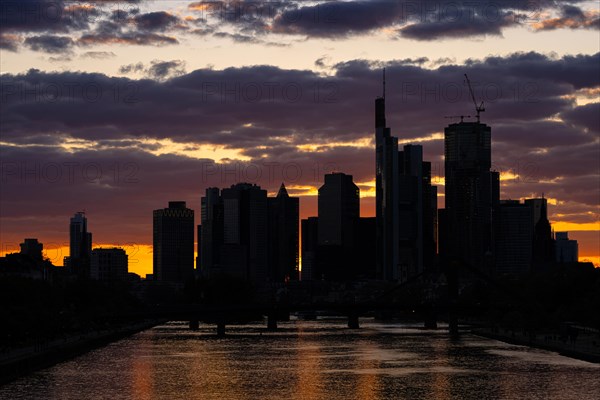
point(586, 347)
point(18, 362)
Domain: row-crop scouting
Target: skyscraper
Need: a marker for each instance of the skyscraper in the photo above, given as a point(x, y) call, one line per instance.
point(33, 249)
point(173, 243)
point(339, 212)
point(109, 265)
point(247, 235)
point(543, 244)
point(513, 238)
point(284, 213)
point(567, 250)
point(406, 205)
point(80, 246)
point(416, 213)
point(472, 192)
point(210, 239)
point(339, 209)
point(244, 252)
point(386, 195)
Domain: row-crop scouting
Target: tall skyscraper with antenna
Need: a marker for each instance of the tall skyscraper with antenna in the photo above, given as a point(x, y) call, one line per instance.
point(386, 197)
point(405, 205)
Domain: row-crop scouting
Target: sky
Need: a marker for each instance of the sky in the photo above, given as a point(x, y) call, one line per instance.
point(117, 107)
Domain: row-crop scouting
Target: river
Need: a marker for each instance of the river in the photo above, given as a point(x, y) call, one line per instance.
point(310, 360)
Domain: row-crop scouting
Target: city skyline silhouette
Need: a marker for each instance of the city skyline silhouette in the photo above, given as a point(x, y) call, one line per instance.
point(328, 199)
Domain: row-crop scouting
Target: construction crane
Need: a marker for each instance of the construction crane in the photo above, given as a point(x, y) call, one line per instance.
point(458, 116)
point(478, 108)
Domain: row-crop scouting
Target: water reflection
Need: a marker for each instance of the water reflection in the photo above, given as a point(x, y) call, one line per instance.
point(310, 360)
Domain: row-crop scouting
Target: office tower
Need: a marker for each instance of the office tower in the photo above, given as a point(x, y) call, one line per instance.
point(538, 209)
point(80, 239)
point(109, 265)
point(211, 228)
point(32, 248)
point(247, 235)
point(567, 251)
point(80, 246)
point(173, 243)
point(310, 243)
point(284, 213)
point(244, 252)
point(543, 253)
point(339, 211)
point(513, 238)
point(386, 195)
point(417, 204)
point(406, 205)
point(472, 192)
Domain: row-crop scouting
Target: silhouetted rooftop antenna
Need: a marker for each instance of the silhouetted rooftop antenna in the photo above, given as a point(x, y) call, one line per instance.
point(384, 83)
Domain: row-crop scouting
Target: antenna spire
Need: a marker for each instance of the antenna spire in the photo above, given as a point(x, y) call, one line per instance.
point(384, 83)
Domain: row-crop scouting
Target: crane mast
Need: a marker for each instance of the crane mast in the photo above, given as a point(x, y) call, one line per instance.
point(478, 108)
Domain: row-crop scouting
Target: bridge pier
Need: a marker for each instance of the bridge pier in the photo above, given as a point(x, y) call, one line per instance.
point(272, 321)
point(430, 317)
point(220, 329)
point(453, 325)
point(430, 323)
point(353, 321)
point(194, 324)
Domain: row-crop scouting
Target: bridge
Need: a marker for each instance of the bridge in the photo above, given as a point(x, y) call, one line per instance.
point(279, 309)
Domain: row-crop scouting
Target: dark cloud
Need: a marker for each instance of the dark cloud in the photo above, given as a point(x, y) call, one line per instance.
point(100, 22)
point(104, 22)
point(129, 68)
point(156, 21)
point(49, 43)
point(302, 105)
point(463, 27)
point(295, 118)
point(166, 69)
point(157, 70)
point(38, 16)
point(586, 116)
point(571, 17)
point(9, 42)
point(423, 20)
point(135, 38)
point(337, 18)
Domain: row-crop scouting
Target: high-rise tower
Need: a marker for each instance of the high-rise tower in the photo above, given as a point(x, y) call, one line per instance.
point(406, 205)
point(339, 212)
point(339, 209)
point(386, 197)
point(80, 243)
point(173, 243)
point(284, 213)
point(210, 231)
point(80, 246)
point(472, 193)
point(245, 232)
